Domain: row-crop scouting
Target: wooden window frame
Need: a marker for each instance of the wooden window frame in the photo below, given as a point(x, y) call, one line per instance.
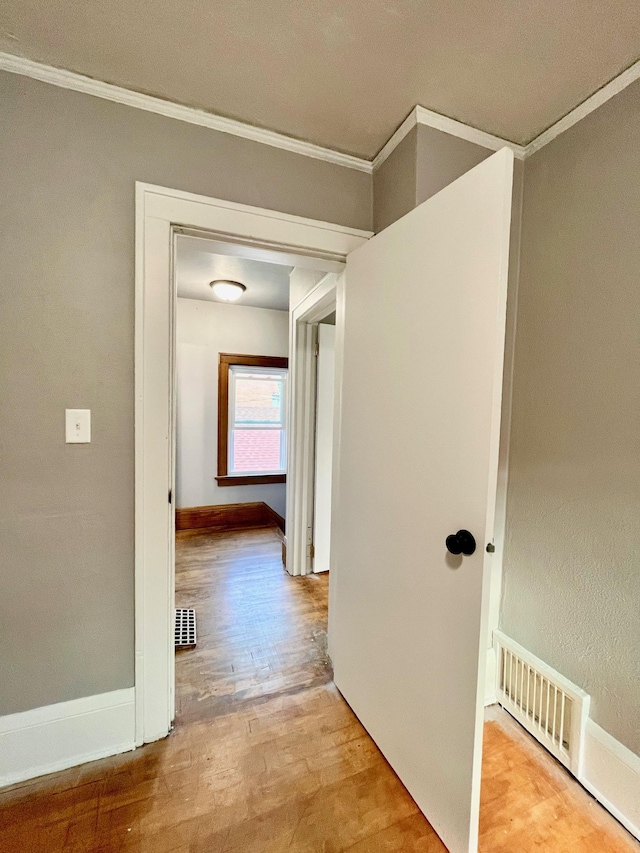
point(226, 361)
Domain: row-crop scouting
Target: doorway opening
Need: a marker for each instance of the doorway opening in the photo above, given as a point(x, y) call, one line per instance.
point(162, 215)
point(238, 416)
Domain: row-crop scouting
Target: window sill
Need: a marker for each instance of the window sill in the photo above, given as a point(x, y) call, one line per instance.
point(250, 479)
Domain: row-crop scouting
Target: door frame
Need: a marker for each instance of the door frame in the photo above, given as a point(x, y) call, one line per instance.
point(324, 436)
point(314, 307)
point(161, 213)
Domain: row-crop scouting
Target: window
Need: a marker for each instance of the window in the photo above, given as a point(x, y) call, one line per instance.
point(256, 443)
point(252, 407)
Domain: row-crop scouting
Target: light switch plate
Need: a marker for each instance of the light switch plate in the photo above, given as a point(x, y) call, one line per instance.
point(78, 426)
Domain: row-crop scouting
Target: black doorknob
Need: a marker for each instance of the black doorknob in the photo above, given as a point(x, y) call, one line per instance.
point(461, 542)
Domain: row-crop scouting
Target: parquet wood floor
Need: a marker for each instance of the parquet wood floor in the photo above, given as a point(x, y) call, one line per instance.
point(266, 756)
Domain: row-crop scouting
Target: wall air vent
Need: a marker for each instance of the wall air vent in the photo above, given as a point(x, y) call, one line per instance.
point(547, 704)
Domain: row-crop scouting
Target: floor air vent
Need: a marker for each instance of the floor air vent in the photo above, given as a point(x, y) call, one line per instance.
point(549, 706)
point(185, 630)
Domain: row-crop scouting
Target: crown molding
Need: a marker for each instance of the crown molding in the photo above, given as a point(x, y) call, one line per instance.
point(191, 115)
point(465, 131)
point(107, 91)
point(419, 115)
point(612, 88)
point(392, 143)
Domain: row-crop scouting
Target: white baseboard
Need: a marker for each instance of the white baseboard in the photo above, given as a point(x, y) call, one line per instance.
point(611, 772)
point(490, 697)
point(55, 737)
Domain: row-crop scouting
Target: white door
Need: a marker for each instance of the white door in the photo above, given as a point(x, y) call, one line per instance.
point(419, 427)
point(325, 386)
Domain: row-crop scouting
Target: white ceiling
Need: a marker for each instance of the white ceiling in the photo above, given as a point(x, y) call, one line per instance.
point(198, 262)
point(342, 74)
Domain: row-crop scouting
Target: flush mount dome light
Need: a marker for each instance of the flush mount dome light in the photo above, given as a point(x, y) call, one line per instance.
point(229, 291)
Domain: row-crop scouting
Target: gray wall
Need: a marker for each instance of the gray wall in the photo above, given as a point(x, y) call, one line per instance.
point(69, 162)
point(571, 589)
point(394, 183)
point(425, 162)
point(441, 159)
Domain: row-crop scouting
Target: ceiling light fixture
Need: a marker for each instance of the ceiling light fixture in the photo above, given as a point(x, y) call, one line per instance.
point(229, 291)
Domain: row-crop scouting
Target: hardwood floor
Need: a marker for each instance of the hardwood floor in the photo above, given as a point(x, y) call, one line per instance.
point(530, 803)
point(267, 757)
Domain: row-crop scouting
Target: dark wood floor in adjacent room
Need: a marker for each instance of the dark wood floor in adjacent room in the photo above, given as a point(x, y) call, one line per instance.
point(267, 757)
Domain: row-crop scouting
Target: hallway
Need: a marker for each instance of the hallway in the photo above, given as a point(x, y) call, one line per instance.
point(267, 757)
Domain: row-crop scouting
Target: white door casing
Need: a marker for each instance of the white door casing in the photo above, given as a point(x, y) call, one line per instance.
point(325, 390)
point(317, 304)
point(418, 444)
point(264, 235)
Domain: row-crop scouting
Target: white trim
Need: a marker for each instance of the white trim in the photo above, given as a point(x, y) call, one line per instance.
point(299, 511)
point(611, 772)
point(266, 235)
point(55, 737)
point(277, 236)
point(612, 88)
point(341, 304)
point(497, 559)
point(421, 115)
point(191, 115)
point(392, 143)
point(465, 131)
point(490, 680)
point(300, 479)
point(581, 701)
